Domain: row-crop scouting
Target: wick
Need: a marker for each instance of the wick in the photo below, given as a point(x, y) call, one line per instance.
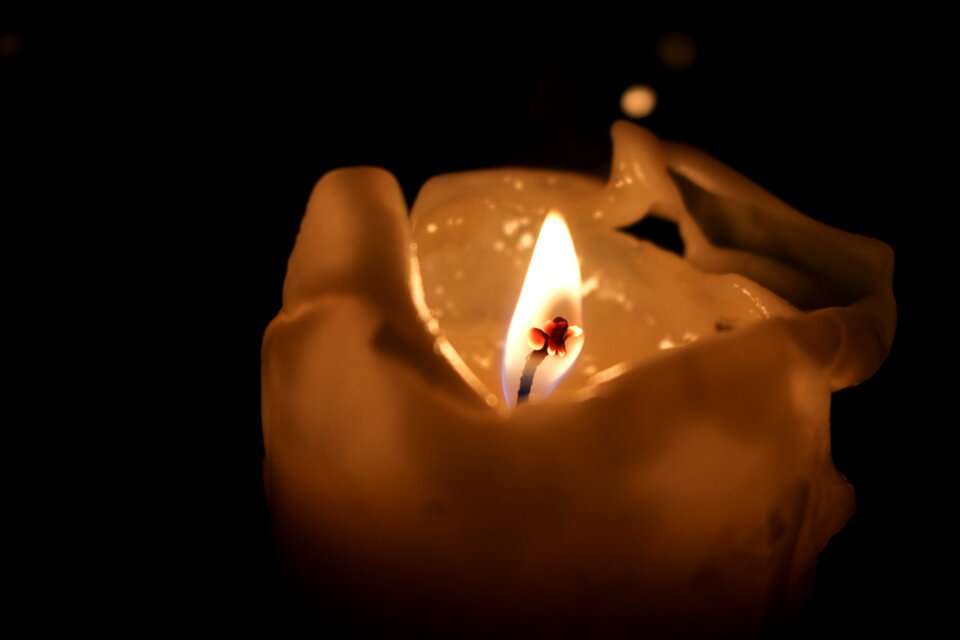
point(530, 368)
point(551, 340)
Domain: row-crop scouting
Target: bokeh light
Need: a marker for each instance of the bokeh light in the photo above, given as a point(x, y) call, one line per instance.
point(9, 45)
point(638, 101)
point(676, 51)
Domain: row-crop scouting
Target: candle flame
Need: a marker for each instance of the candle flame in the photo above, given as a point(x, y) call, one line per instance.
point(551, 289)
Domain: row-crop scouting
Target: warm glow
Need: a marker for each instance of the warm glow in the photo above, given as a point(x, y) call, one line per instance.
point(638, 101)
point(551, 288)
point(677, 51)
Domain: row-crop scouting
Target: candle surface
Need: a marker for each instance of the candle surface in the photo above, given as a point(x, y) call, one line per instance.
point(474, 248)
point(657, 490)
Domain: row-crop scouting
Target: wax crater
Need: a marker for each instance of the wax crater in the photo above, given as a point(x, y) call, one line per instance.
point(638, 299)
point(663, 491)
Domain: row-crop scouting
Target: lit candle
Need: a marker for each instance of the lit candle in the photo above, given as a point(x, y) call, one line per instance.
point(672, 474)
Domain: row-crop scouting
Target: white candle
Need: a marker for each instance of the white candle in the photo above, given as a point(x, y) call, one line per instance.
point(681, 489)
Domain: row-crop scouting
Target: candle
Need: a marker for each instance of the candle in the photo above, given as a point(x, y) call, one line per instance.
point(672, 476)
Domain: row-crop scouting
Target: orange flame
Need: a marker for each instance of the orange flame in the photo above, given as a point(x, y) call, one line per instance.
point(550, 289)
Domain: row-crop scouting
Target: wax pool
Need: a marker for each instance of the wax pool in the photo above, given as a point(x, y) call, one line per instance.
point(678, 480)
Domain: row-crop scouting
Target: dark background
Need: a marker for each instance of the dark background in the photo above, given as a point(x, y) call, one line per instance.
point(218, 133)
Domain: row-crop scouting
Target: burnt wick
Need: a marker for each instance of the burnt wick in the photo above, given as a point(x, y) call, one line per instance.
point(551, 340)
point(530, 368)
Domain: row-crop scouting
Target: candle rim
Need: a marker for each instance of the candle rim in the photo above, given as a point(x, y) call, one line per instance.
point(864, 287)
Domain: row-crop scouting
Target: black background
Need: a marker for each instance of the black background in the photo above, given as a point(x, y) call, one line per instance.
point(217, 134)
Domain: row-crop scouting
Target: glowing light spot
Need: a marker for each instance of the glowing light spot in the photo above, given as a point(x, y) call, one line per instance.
point(589, 285)
point(676, 51)
point(638, 101)
point(9, 45)
point(667, 343)
point(607, 374)
point(763, 311)
point(483, 362)
point(510, 226)
point(431, 228)
point(525, 241)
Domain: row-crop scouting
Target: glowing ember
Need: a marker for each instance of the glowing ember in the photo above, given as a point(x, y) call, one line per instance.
point(553, 337)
